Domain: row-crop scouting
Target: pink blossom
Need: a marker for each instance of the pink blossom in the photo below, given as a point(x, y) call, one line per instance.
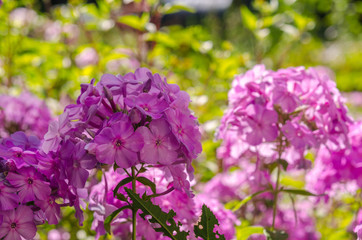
point(118, 143)
point(29, 184)
point(160, 143)
point(18, 224)
point(8, 197)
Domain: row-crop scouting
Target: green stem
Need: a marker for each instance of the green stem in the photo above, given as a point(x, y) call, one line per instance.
point(134, 211)
point(276, 191)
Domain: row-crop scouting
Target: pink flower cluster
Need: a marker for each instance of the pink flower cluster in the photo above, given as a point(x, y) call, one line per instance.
point(23, 113)
point(294, 108)
point(188, 210)
point(338, 166)
point(29, 188)
point(126, 120)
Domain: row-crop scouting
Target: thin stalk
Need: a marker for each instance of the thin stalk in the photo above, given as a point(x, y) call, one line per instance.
point(276, 190)
point(134, 211)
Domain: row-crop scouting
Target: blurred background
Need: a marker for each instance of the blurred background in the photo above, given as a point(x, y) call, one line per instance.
point(50, 47)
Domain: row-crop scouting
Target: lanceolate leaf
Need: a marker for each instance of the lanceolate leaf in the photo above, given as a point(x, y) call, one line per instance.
point(167, 224)
point(121, 183)
point(147, 182)
point(300, 192)
point(205, 228)
point(107, 222)
point(247, 199)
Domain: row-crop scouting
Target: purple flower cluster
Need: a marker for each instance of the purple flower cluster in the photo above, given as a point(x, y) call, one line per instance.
point(298, 223)
point(289, 110)
point(29, 187)
point(126, 120)
point(338, 166)
point(103, 203)
point(188, 210)
point(23, 113)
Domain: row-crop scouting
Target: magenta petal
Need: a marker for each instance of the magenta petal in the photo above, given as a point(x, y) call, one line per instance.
point(79, 177)
point(126, 158)
point(255, 137)
point(123, 128)
point(27, 230)
point(135, 142)
point(270, 133)
point(3, 231)
point(13, 235)
point(105, 136)
point(149, 154)
point(166, 156)
point(41, 190)
point(105, 153)
point(146, 134)
point(159, 127)
point(15, 180)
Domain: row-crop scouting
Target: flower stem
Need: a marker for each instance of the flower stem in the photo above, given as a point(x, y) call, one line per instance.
point(276, 191)
point(134, 211)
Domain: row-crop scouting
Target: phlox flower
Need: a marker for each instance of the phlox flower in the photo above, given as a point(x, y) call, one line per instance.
point(8, 197)
point(160, 143)
point(18, 224)
point(117, 143)
point(30, 184)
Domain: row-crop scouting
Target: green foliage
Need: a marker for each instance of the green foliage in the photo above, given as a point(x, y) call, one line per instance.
point(167, 224)
point(108, 220)
point(241, 203)
point(300, 192)
point(275, 235)
point(205, 228)
point(147, 182)
point(243, 233)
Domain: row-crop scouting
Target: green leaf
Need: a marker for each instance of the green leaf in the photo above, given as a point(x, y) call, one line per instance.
point(292, 182)
point(167, 224)
point(300, 192)
point(115, 166)
point(169, 9)
point(147, 182)
point(284, 164)
point(247, 199)
point(134, 21)
point(120, 196)
point(108, 220)
point(275, 235)
point(244, 233)
point(120, 184)
point(249, 19)
point(205, 228)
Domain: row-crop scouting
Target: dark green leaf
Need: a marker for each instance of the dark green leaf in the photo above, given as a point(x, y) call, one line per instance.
point(284, 164)
point(247, 199)
point(108, 220)
point(167, 224)
point(300, 192)
point(275, 235)
point(115, 166)
point(205, 228)
point(271, 166)
point(147, 182)
point(120, 196)
point(121, 183)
